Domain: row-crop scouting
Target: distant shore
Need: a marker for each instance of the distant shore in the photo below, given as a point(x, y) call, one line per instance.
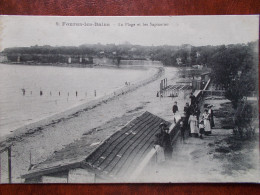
point(71, 65)
point(82, 65)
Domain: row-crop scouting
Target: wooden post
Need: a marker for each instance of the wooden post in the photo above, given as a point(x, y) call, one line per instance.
point(30, 158)
point(9, 164)
point(160, 89)
point(163, 84)
point(163, 87)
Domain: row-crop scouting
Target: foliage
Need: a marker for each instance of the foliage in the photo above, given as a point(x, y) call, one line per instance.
point(235, 68)
point(244, 119)
point(226, 61)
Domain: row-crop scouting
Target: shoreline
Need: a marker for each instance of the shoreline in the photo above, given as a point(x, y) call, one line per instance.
point(95, 124)
point(77, 65)
point(28, 129)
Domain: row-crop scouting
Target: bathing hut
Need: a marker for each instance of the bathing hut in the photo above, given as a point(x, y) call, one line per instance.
point(122, 157)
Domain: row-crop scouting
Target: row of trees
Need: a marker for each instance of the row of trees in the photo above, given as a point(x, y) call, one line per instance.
point(235, 67)
point(166, 54)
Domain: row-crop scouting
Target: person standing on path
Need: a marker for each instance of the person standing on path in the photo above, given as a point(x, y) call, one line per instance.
point(197, 111)
point(166, 141)
point(23, 90)
point(174, 110)
point(192, 99)
point(211, 116)
point(186, 115)
point(162, 147)
point(163, 141)
point(158, 145)
point(206, 119)
point(201, 129)
point(186, 110)
point(193, 125)
point(167, 144)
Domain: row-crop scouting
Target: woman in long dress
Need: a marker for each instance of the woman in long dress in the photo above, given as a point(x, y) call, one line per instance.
point(211, 116)
point(206, 119)
point(160, 157)
point(194, 125)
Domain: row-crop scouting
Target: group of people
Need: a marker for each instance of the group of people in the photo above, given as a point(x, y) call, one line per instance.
point(198, 125)
point(193, 122)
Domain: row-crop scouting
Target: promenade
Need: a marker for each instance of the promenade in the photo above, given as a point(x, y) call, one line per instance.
point(219, 157)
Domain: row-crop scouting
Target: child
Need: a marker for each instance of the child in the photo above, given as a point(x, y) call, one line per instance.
point(201, 127)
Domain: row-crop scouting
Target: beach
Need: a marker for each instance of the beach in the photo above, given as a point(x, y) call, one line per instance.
point(62, 88)
point(89, 125)
point(41, 139)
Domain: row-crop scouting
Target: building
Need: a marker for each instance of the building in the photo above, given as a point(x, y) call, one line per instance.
point(121, 157)
point(3, 58)
point(49, 59)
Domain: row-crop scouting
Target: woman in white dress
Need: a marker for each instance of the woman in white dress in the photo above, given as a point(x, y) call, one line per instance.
point(193, 125)
point(206, 119)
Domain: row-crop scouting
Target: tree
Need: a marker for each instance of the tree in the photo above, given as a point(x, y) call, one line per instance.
point(235, 67)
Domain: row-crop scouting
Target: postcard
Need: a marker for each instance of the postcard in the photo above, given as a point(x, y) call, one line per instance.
point(152, 99)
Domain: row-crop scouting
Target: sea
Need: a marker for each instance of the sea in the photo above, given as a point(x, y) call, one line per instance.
point(31, 93)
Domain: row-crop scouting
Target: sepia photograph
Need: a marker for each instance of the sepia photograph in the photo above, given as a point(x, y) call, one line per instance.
point(136, 99)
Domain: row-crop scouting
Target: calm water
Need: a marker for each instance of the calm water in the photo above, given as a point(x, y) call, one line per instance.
point(17, 109)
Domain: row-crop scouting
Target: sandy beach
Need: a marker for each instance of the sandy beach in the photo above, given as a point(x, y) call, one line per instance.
point(43, 138)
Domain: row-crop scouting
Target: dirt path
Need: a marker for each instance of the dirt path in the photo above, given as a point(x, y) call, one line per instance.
point(220, 157)
point(216, 158)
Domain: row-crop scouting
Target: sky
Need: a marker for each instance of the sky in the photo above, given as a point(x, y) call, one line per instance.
point(23, 31)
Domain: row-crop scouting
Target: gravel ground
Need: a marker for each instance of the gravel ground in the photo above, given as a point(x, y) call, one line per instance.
point(220, 157)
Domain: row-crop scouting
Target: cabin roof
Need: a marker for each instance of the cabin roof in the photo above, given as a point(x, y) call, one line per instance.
point(122, 152)
point(116, 157)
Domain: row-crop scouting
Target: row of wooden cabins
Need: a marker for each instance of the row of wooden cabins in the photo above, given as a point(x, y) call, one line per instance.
point(47, 58)
point(63, 59)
